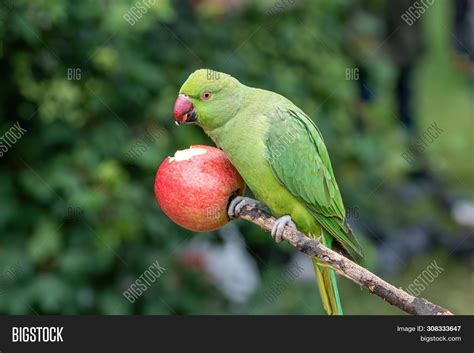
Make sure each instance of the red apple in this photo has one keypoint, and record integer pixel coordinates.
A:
(194, 186)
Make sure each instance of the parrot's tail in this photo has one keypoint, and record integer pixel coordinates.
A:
(327, 284)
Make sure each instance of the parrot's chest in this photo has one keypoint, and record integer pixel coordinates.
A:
(246, 149)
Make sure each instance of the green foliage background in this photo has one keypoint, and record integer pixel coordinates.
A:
(78, 219)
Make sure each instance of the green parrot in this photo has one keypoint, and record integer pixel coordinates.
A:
(280, 153)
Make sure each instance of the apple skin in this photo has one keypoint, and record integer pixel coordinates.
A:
(194, 187)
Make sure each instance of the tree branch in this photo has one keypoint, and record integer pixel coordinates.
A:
(345, 267)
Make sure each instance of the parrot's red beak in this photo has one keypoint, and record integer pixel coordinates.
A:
(184, 110)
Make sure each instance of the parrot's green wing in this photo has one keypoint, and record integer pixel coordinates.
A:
(299, 159)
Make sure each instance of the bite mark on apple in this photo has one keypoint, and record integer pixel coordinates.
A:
(187, 154)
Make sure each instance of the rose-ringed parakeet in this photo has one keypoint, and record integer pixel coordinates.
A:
(280, 153)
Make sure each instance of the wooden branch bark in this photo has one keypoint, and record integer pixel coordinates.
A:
(345, 267)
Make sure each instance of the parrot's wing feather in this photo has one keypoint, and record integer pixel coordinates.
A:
(299, 159)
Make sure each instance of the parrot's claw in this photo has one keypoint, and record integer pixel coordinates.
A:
(239, 202)
(279, 226)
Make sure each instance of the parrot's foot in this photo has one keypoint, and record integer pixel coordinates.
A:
(279, 226)
(239, 202)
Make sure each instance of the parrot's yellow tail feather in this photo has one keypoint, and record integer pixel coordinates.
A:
(327, 284)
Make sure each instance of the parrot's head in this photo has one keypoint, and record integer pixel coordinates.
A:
(208, 98)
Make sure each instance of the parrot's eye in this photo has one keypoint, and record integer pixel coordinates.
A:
(206, 95)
